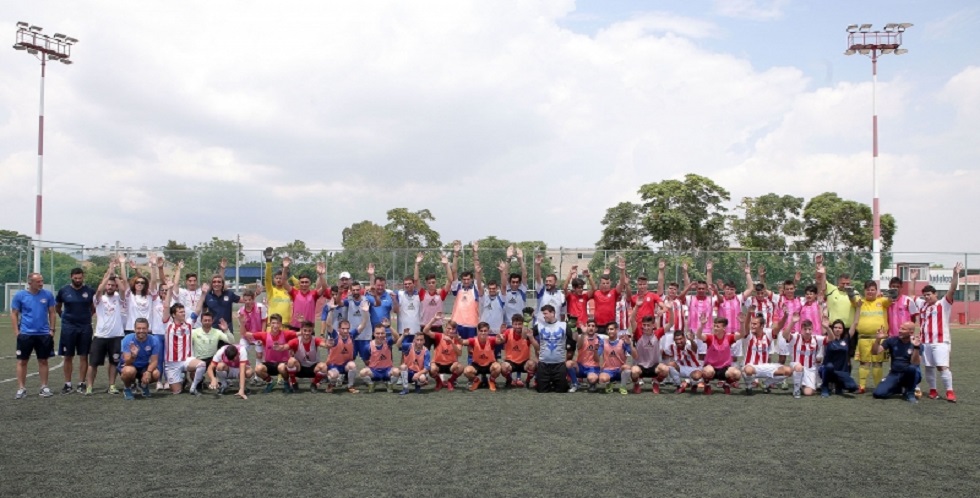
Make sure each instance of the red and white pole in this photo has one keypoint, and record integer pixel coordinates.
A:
(876, 220)
(40, 171)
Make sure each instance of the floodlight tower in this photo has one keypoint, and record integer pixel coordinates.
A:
(45, 48)
(861, 40)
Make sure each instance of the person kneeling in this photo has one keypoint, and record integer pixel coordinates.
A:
(141, 354)
(230, 361)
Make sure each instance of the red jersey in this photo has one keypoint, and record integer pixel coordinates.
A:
(578, 305)
(342, 351)
(605, 306)
(518, 348)
(482, 353)
(447, 351)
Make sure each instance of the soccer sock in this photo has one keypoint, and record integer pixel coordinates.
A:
(223, 378)
(797, 380)
(876, 374)
(947, 376)
(404, 376)
(573, 376)
(292, 375)
(931, 377)
(748, 380)
(453, 377)
(350, 379)
(198, 375)
(675, 375)
(863, 375)
(622, 380)
(317, 377)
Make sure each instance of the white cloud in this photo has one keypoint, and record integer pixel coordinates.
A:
(756, 10)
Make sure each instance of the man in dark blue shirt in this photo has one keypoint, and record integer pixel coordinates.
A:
(904, 374)
(75, 306)
(218, 300)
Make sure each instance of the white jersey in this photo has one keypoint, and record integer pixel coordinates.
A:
(409, 312)
(555, 298)
(137, 306)
(108, 313)
(935, 321)
(514, 301)
(190, 299)
(492, 312)
(156, 317)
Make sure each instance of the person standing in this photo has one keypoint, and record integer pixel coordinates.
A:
(107, 339)
(32, 314)
(219, 300)
(74, 306)
(515, 297)
(936, 312)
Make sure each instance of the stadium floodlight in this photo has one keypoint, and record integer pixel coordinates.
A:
(71, 40)
(54, 48)
(873, 44)
(851, 28)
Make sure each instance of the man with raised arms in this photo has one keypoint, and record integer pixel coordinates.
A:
(547, 290)
(433, 297)
(304, 299)
(606, 296)
(936, 337)
(219, 300)
(515, 297)
(576, 298)
(108, 335)
(408, 307)
(645, 300)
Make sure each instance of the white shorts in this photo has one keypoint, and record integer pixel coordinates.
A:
(782, 347)
(666, 341)
(175, 371)
(809, 376)
(766, 370)
(935, 355)
(685, 372)
(737, 349)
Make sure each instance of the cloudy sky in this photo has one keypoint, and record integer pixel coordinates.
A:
(525, 120)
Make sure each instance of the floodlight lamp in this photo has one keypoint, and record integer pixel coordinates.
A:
(849, 51)
(66, 61)
(865, 51)
(901, 51)
(32, 51)
(71, 40)
(887, 50)
(865, 28)
(904, 26)
(36, 29)
(19, 46)
(852, 28)
(59, 36)
(21, 24)
(891, 26)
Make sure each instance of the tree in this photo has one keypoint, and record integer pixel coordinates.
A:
(16, 256)
(622, 228)
(175, 251)
(685, 215)
(769, 223)
(212, 252)
(410, 229)
(834, 224)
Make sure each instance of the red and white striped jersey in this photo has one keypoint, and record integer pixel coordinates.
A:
(805, 352)
(679, 310)
(686, 357)
(178, 341)
(757, 348)
(764, 307)
(935, 322)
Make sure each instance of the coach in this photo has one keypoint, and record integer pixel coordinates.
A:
(33, 318)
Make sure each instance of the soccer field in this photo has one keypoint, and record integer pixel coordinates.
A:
(512, 443)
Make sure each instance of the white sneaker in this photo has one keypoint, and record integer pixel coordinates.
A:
(573, 389)
(21, 393)
(46, 392)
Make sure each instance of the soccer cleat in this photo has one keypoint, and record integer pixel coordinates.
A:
(622, 390)
(950, 396)
(796, 393)
(418, 389)
(46, 392)
(195, 392)
(67, 389)
(608, 389)
(314, 387)
(518, 383)
(636, 388)
(860, 390)
(656, 388)
(784, 385)
(293, 387)
(438, 383)
(824, 392)
(593, 388)
(81, 388)
(492, 385)
(767, 389)
(910, 397)
(113, 389)
(933, 394)
(88, 390)
(707, 389)
(21, 393)
(388, 387)
(681, 388)
(370, 387)
(700, 385)
(352, 390)
(475, 384)
(329, 388)
(573, 388)
(450, 386)
(268, 387)
(727, 388)
(146, 392)
(403, 392)
(128, 394)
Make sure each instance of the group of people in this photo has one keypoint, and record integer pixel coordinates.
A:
(609, 337)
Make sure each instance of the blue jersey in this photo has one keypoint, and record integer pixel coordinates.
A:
(33, 309)
(151, 346)
(220, 306)
(901, 353)
(835, 354)
(382, 310)
(551, 337)
(76, 304)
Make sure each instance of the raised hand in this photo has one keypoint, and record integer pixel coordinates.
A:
(222, 324)
(881, 333)
(286, 262)
(477, 267)
(444, 259)
(574, 270)
(914, 273)
(916, 340)
(180, 265)
(457, 246)
(661, 264)
(223, 264)
(121, 259)
(321, 268)
(419, 257)
(586, 273)
(957, 269)
(746, 267)
(159, 261)
(501, 266)
(797, 276)
(476, 245)
(386, 322)
(370, 269)
(818, 259)
(132, 264)
(520, 253)
(605, 272)
(684, 266)
(538, 259)
(621, 263)
(510, 251)
(762, 271)
(709, 265)
(438, 315)
(205, 288)
(134, 349)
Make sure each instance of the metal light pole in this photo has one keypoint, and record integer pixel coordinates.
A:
(56, 48)
(861, 40)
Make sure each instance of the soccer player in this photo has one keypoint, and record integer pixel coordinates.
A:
(786, 305)
(353, 307)
(547, 290)
(904, 374)
(305, 361)
(341, 351)
(676, 301)
(835, 358)
(140, 357)
(252, 317)
(408, 307)
(484, 363)
(589, 347)
(517, 343)
(466, 306)
(491, 302)
(615, 353)
(606, 296)
(936, 335)
(648, 359)
(729, 306)
(685, 367)
(432, 299)
(34, 321)
(190, 296)
(380, 298)
(838, 298)
(205, 341)
(379, 364)
(515, 298)
(645, 300)
(757, 348)
(805, 348)
(873, 318)
(447, 346)
(220, 301)
(718, 355)
(229, 362)
(415, 365)
(273, 349)
(177, 350)
(550, 337)
(277, 297)
(107, 338)
(304, 299)
(75, 307)
(576, 299)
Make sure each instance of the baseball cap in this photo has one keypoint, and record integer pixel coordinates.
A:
(344, 274)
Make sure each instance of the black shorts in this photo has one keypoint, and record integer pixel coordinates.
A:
(272, 367)
(719, 371)
(552, 377)
(516, 367)
(103, 347)
(445, 369)
(305, 373)
(648, 372)
(75, 339)
(429, 342)
(481, 370)
(41, 345)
